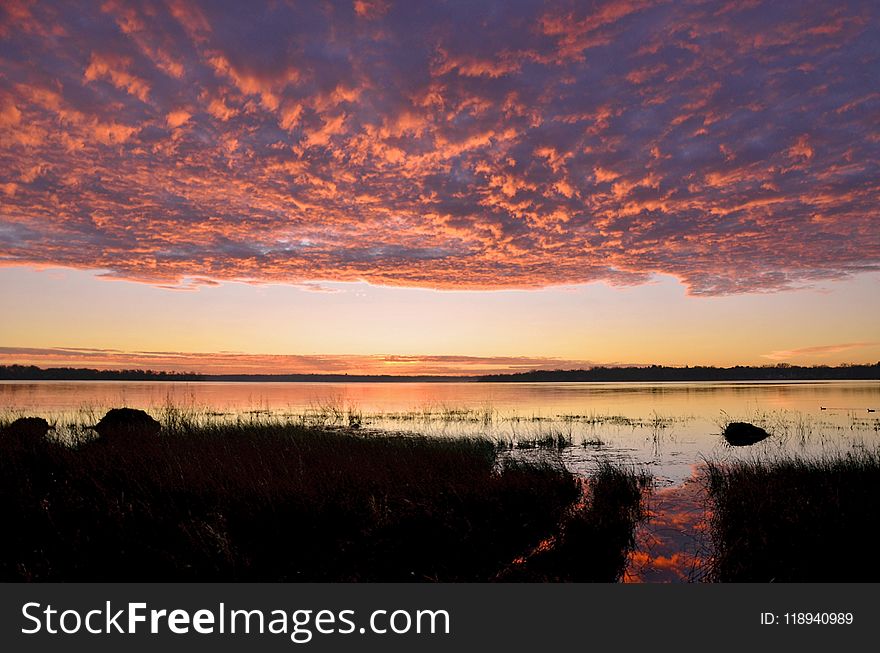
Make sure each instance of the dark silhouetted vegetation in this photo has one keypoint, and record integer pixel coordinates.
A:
(779, 372)
(34, 373)
(795, 520)
(26, 429)
(273, 501)
(595, 535)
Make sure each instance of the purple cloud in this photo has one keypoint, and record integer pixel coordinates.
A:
(452, 145)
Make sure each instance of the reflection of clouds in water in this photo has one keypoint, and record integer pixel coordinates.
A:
(668, 452)
(672, 545)
(665, 427)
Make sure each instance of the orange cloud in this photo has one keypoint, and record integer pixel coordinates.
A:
(801, 148)
(177, 118)
(370, 8)
(818, 350)
(238, 363)
(102, 66)
(545, 144)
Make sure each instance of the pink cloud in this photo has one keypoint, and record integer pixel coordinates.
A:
(734, 146)
(239, 363)
(819, 350)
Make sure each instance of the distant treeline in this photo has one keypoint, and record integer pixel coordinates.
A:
(781, 372)
(34, 373)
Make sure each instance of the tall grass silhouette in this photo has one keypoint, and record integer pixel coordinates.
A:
(261, 499)
(794, 519)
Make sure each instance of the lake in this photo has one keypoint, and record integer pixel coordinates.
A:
(667, 427)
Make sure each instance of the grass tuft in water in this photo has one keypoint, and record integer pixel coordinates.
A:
(594, 535)
(795, 520)
(254, 498)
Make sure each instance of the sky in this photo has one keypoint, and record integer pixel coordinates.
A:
(449, 187)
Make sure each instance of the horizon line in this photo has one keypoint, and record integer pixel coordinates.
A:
(23, 372)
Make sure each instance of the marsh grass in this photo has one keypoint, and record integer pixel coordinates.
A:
(794, 520)
(251, 497)
(595, 533)
(508, 429)
(549, 440)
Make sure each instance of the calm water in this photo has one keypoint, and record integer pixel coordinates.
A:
(666, 426)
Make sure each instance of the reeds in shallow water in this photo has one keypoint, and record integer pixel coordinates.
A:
(595, 534)
(256, 498)
(795, 520)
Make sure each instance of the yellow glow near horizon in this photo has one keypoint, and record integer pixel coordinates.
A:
(363, 328)
(475, 190)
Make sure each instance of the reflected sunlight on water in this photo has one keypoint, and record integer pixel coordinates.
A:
(672, 545)
(667, 427)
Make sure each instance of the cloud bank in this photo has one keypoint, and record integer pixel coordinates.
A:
(241, 363)
(735, 145)
(818, 350)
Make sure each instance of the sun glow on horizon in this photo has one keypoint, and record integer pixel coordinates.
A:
(358, 328)
(343, 186)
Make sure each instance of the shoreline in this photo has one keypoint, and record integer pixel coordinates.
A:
(622, 375)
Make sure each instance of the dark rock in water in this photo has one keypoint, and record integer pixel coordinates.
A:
(27, 428)
(127, 421)
(743, 434)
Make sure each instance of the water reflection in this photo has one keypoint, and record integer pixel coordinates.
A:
(667, 427)
(672, 544)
